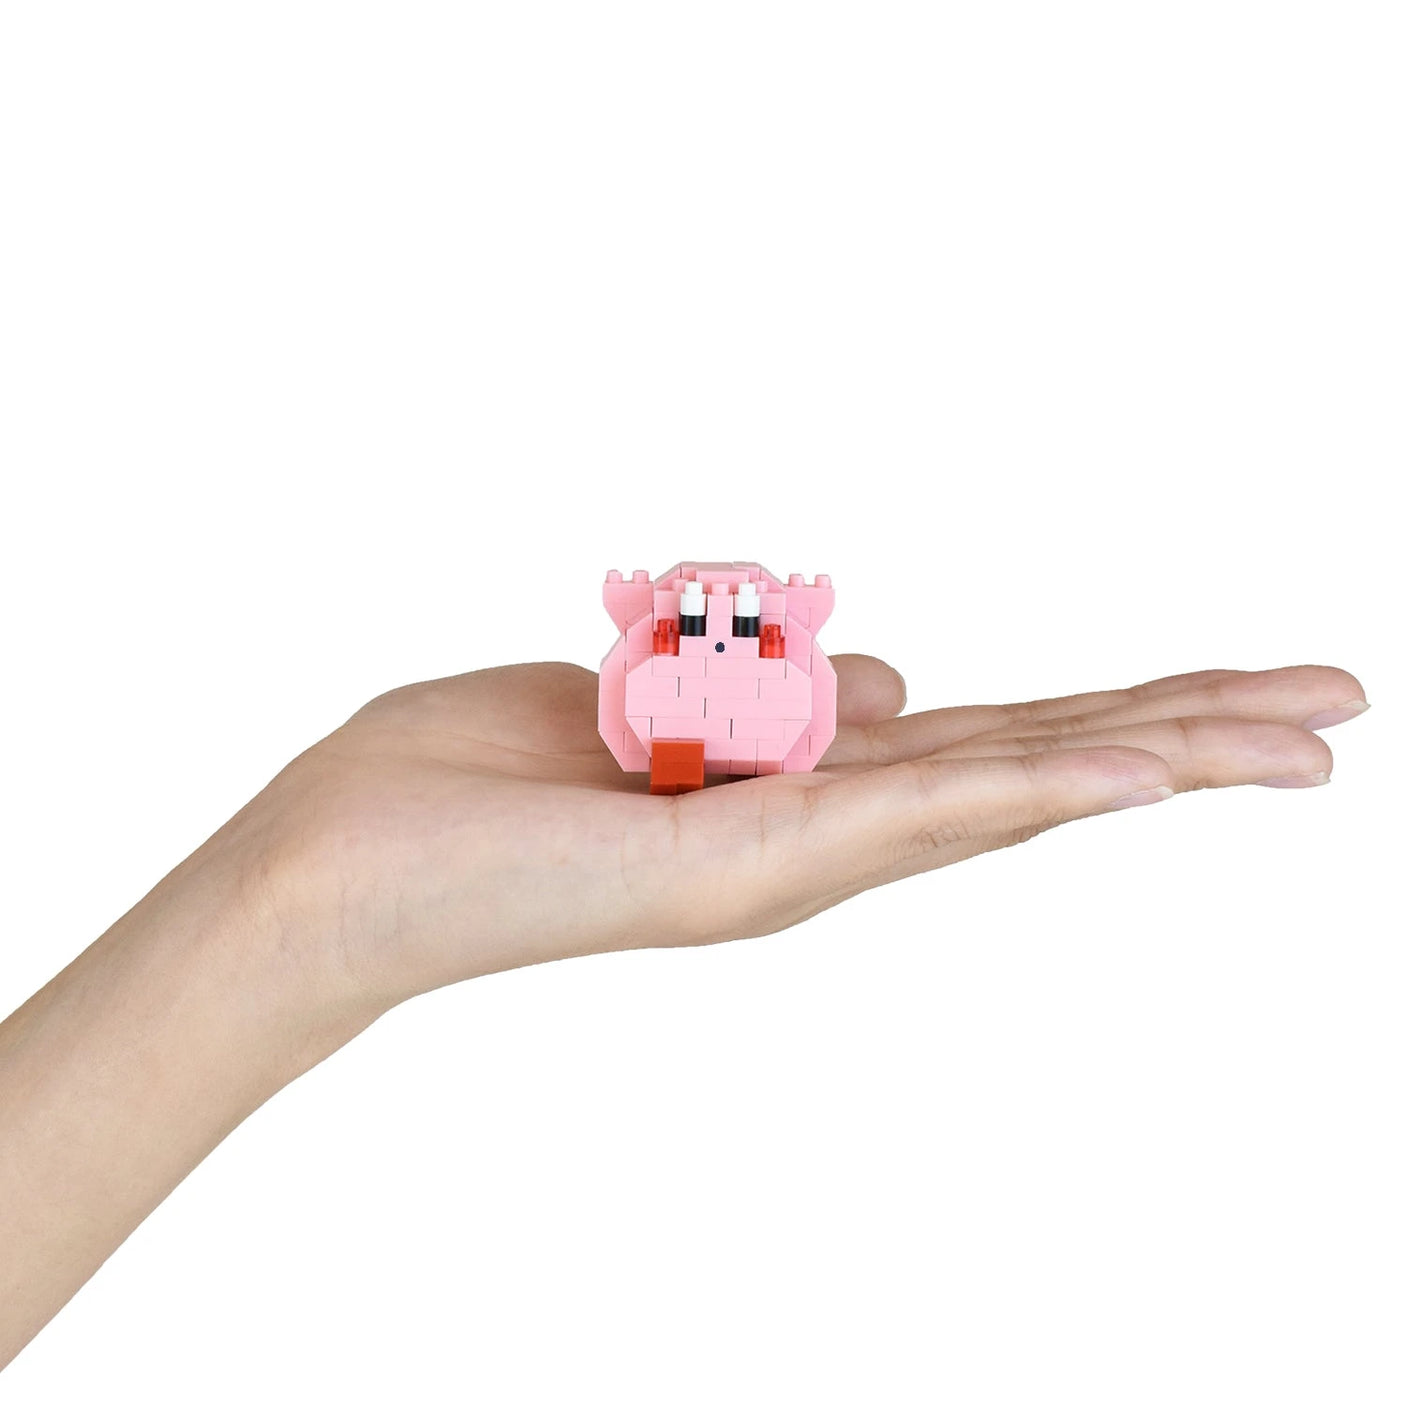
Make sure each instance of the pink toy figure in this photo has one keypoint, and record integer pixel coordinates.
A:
(716, 672)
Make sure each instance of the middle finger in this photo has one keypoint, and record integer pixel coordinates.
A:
(1291, 695)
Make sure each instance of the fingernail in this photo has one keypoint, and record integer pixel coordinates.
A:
(1331, 717)
(1142, 798)
(1309, 778)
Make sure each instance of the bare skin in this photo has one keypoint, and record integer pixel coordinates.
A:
(478, 823)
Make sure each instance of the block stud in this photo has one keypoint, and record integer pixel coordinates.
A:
(666, 637)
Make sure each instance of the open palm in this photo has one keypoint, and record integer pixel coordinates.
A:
(476, 823)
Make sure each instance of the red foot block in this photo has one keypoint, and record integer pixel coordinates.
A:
(676, 764)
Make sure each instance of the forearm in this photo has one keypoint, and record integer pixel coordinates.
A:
(131, 1066)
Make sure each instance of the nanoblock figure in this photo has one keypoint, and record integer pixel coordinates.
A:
(716, 672)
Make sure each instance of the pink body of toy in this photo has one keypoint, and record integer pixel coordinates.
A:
(716, 671)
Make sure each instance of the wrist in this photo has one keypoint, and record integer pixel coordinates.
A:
(135, 1061)
(235, 942)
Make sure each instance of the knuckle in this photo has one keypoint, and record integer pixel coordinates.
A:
(1019, 834)
(1221, 699)
(1188, 733)
(939, 835)
(938, 827)
(878, 747)
(1046, 739)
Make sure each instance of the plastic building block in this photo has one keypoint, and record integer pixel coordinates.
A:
(676, 668)
(716, 672)
(675, 765)
(666, 637)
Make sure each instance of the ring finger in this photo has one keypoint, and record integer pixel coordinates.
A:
(1202, 751)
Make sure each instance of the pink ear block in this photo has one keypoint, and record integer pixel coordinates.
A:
(717, 659)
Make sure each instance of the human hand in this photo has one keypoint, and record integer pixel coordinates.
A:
(477, 823)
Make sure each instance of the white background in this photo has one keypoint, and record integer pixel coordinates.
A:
(345, 345)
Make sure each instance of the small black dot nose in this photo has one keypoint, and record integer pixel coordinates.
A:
(720, 646)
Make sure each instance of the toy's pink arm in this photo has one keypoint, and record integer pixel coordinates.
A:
(626, 601)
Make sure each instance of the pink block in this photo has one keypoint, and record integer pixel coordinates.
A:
(757, 727)
(768, 707)
(728, 708)
(611, 713)
(641, 729)
(822, 722)
(715, 766)
(694, 646)
(720, 616)
(816, 601)
(626, 601)
(666, 605)
(768, 767)
(723, 666)
(728, 572)
(742, 766)
(783, 747)
(645, 683)
(734, 748)
(794, 687)
(711, 687)
(675, 666)
(792, 730)
(798, 640)
(664, 707)
(690, 727)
